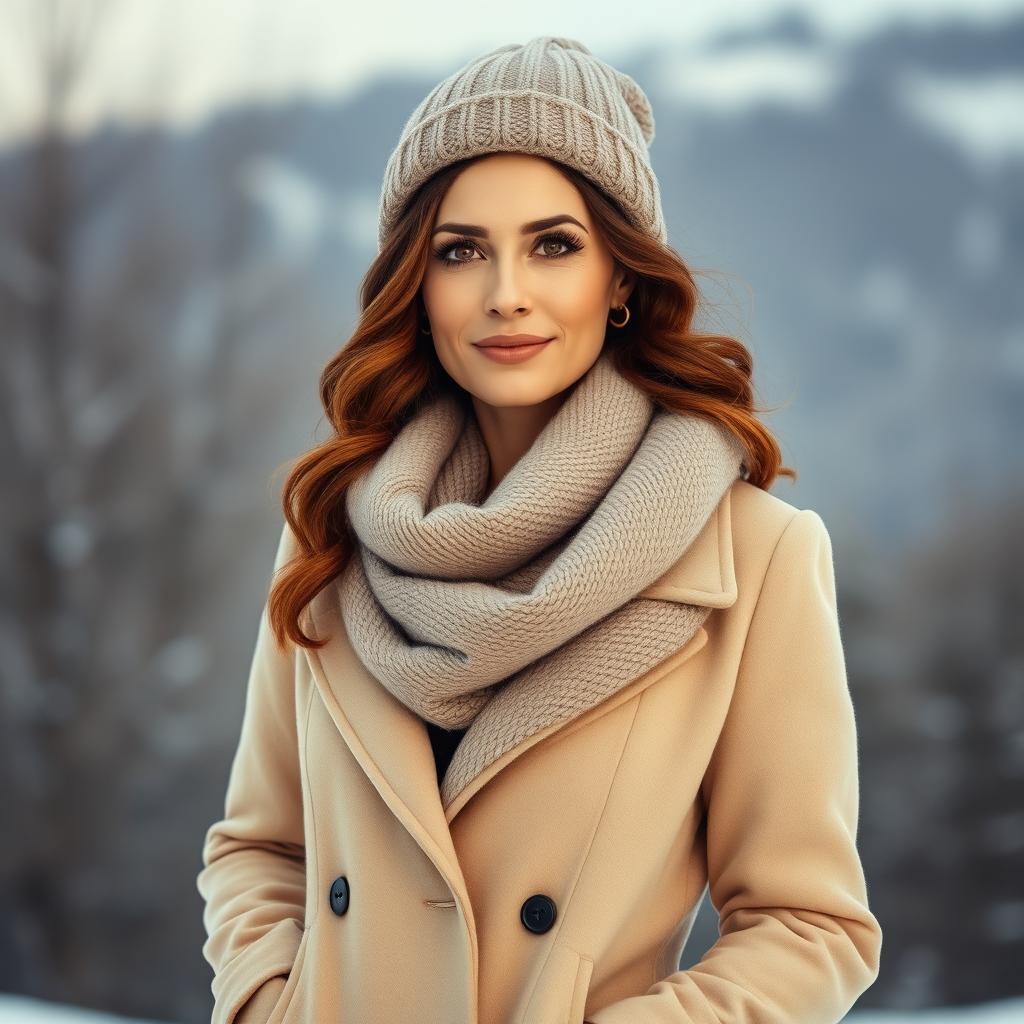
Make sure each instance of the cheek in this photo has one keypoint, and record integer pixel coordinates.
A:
(445, 297)
(431, 291)
(579, 298)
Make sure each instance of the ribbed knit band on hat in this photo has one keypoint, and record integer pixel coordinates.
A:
(550, 97)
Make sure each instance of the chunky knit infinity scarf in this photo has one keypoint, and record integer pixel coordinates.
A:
(515, 612)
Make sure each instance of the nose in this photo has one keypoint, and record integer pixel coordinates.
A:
(506, 296)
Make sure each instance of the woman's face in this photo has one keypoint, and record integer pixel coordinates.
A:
(495, 272)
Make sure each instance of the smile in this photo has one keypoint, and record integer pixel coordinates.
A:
(512, 353)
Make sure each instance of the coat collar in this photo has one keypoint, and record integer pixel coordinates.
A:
(705, 574)
(391, 742)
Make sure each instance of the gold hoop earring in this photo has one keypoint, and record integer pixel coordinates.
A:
(422, 331)
(625, 319)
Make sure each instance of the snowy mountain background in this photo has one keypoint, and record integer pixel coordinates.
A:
(855, 212)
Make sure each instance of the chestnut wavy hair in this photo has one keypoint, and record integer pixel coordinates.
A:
(388, 369)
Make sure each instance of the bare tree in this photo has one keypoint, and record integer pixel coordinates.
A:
(130, 316)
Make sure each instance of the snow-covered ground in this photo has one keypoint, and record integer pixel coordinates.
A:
(19, 1010)
(22, 1010)
(1003, 1011)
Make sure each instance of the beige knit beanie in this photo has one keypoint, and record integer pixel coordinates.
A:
(550, 97)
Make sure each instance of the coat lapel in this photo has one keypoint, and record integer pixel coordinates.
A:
(391, 742)
(705, 574)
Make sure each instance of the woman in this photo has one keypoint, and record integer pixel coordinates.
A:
(543, 660)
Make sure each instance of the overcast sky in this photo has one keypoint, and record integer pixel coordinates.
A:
(175, 60)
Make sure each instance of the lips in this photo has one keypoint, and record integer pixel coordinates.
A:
(510, 340)
(513, 353)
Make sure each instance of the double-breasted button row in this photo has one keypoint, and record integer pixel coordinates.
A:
(537, 913)
(339, 895)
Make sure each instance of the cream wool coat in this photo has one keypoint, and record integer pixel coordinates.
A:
(731, 765)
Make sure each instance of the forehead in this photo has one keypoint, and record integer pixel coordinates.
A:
(503, 191)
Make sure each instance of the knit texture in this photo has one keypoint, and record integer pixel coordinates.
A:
(550, 97)
(508, 614)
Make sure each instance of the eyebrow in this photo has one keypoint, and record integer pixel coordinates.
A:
(527, 229)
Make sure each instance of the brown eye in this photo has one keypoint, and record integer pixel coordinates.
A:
(552, 241)
(569, 242)
(445, 249)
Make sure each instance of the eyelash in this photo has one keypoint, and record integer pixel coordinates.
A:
(572, 241)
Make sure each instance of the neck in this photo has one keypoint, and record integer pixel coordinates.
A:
(509, 431)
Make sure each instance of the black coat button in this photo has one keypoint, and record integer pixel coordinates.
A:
(538, 913)
(339, 895)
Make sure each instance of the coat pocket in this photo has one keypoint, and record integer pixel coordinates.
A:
(581, 988)
(283, 1004)
(561, 990)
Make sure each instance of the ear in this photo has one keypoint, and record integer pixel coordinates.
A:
(625, 282)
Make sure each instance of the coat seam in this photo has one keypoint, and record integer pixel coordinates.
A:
(586, 857)
(312, 809)
(607, 798)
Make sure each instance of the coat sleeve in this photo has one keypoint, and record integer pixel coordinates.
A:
(253, 876)
(797, 942)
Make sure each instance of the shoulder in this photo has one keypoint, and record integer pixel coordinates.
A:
(766, 528)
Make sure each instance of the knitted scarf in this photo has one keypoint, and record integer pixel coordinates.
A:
(515, 612)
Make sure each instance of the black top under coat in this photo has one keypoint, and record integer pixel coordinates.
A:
(444, 741)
